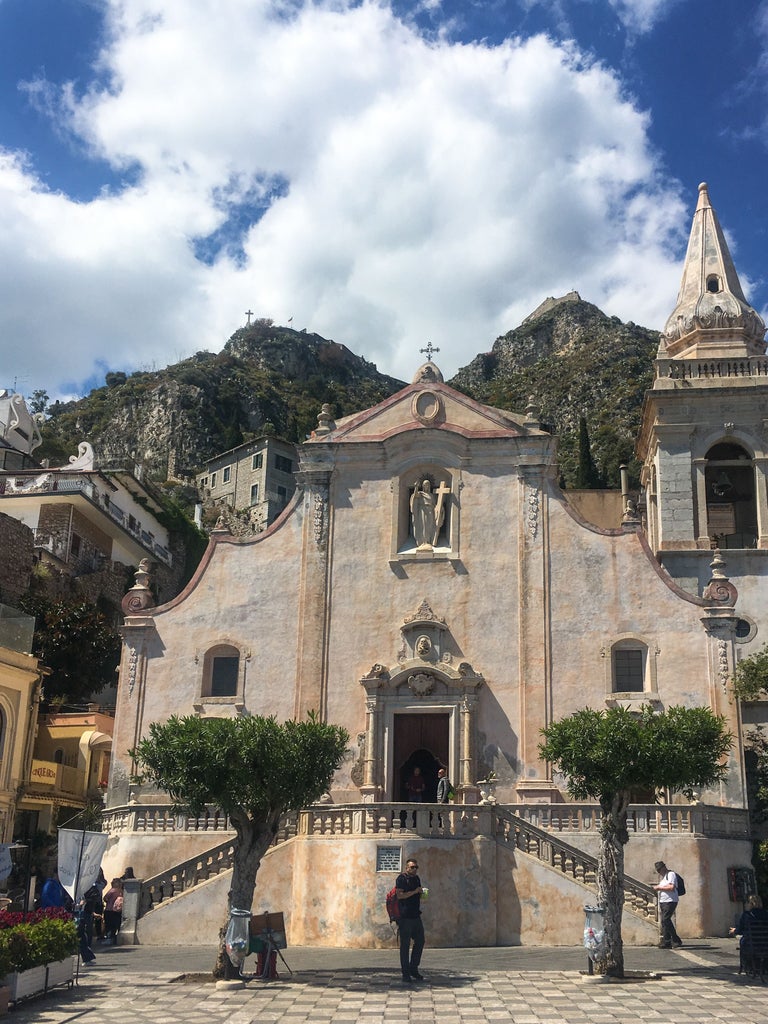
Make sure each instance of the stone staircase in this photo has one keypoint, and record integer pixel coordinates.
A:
(512, 830)
(508, 829)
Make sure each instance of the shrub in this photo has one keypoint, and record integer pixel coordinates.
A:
(30, 940)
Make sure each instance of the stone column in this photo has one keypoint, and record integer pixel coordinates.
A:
(700, 488)
(139, 634)
(761, 494)
(372, 789)
(131, 897)
(534, 649)
(719, 621)
(311, 663)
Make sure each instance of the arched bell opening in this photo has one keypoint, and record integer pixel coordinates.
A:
(729, 477)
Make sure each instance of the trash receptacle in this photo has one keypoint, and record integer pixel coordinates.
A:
(594, 935)
(237, 939)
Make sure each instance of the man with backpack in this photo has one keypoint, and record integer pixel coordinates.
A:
(668, 896)
(408, 888)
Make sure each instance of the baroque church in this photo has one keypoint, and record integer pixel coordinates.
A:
(430, 588)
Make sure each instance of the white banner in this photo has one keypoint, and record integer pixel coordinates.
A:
(83, 850)
(6, 864)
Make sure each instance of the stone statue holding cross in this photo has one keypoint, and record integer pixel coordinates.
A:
(427, 513)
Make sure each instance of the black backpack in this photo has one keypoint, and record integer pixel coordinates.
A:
(680, 885)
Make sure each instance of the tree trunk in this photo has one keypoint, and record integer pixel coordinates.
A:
(253, 841)
(610, 882)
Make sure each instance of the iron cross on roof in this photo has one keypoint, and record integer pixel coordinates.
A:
(429, 350)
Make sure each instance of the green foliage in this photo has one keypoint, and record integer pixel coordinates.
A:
(572, 358)
(750, 679)
(254, 765)
(586, 472)
(38, 403)
(31, 940)
(605, 753)
(75, 641)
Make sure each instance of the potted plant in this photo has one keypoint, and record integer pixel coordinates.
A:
(36, 951)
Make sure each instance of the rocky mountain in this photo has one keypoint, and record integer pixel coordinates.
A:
(266, 379)
(573, 359)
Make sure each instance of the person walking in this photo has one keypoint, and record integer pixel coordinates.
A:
(113, 911)
(668, 898)
(411, 927)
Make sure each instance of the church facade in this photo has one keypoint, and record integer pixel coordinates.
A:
(431, 588)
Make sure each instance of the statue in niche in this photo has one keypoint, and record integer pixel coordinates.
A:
(427, 513)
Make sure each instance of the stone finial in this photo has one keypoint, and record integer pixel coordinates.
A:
(139, 597)
(428, 373)
(325, 423)
(720, 589)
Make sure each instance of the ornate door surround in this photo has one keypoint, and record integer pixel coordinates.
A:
(423, 681)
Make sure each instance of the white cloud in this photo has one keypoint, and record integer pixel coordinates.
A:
(432, 191)
(641, 16)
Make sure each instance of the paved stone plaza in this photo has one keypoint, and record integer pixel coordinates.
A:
(479, 986)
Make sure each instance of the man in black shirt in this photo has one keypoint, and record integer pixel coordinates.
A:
(408, 886)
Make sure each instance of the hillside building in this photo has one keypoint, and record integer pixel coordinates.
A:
(257, 478)
(88, 522)
(431, 588)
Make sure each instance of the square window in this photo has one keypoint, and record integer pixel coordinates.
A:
(283, 464)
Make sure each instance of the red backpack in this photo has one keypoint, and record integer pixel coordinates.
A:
(393, 906)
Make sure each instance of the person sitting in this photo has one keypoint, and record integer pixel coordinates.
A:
(753, 929)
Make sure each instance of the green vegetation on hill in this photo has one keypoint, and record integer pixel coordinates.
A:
(577, 364)
(587, 373)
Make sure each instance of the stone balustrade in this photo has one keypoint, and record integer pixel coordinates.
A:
(703, 369)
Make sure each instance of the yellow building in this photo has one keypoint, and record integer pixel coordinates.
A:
(69, 769)
(20, 679)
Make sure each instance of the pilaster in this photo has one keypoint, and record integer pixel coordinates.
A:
(311, 640)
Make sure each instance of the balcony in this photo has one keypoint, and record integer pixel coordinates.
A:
(57, 779)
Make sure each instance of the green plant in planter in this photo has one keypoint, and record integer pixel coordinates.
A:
(31, 940)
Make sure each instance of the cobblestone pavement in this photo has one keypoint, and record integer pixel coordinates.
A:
(165, 985)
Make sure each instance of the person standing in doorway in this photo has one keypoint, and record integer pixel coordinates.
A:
(668, 897)
(415, 786)
(409, 891)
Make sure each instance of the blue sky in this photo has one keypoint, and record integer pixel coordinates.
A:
(384, 172)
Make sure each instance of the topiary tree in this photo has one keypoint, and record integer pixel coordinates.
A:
(255, 769)
(605, 755)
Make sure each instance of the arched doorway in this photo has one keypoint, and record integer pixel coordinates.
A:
(421, 740)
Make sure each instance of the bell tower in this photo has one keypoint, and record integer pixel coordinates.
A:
(705, 421)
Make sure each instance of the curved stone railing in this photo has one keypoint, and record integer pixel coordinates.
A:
(535, 829)
(514, 830)
(654, 819)
(150, 818)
